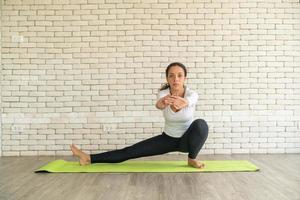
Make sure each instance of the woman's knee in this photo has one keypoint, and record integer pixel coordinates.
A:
(201, 125)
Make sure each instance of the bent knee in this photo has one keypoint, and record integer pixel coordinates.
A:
(201, 124)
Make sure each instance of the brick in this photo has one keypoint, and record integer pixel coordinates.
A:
(90, 64)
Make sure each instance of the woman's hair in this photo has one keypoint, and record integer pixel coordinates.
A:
(166, 85)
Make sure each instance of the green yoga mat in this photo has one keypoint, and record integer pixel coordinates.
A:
(149, 166)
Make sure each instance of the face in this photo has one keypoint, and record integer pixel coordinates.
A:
(176, 77)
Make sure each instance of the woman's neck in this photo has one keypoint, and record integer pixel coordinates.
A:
(178, 92)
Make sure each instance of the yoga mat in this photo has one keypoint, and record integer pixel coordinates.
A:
(149, 166)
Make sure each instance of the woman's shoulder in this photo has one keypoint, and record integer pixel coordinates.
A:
(163, 93)
(190, 91)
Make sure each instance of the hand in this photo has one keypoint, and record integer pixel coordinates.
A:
(175, 102)
(179, 102)
(164, 102)
(168, 100)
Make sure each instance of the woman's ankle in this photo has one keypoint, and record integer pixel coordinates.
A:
(191, 159)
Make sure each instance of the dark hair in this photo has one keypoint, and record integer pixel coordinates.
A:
(166, 85)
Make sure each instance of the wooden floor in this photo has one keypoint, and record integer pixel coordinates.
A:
(278, 179)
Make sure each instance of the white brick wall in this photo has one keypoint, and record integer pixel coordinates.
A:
(0, 85)
(87, 72)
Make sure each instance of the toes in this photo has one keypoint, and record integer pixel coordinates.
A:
(197, 164)
(201, 165)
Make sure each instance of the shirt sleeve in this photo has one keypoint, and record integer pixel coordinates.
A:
(161, 94)
(192, 98)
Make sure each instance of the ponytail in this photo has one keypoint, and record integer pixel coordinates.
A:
(165, 86)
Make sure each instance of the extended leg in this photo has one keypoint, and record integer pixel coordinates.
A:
(153, 146)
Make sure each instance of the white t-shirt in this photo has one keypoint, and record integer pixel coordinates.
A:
(176, 123)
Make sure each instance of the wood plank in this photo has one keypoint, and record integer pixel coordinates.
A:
(279, 179)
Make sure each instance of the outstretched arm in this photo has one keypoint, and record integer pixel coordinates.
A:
(163, 102)
(178, 103)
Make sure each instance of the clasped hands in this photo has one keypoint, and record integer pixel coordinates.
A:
(176, 102)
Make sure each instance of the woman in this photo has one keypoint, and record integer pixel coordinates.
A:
(181, 132)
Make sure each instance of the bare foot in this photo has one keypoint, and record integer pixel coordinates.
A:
(84, 159)
(195, 163)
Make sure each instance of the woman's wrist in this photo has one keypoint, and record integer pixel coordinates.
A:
(160, 103)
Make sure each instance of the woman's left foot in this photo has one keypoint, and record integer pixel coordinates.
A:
(195, 163)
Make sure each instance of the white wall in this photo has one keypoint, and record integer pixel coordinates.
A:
(87, 72)
(0, 86)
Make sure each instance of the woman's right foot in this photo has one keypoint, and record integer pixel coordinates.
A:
(84, 159)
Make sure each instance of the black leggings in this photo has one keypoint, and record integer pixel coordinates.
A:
(191, 142)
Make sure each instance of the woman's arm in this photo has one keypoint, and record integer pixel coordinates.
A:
(176, 102)
(192, 98)
(179, 103)
(163, 102)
